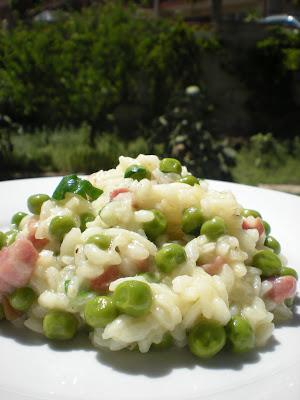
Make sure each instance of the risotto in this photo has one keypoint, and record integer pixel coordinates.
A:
(144, 256)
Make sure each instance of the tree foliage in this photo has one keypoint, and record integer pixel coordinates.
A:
(83, 67)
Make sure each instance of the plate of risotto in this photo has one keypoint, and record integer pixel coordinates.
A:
(145, 282)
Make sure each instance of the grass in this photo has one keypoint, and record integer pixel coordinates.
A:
(68, 150)
(263, 159)
(267, 160)
(247, 172)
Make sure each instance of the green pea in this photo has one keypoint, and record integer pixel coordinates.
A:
(267, 228)
(137, 172)
(157, 226)
(84, 219)
(86, 293)
(83, 296)
(2, 314)
(152, 277)
(100, 240)
(206, 339)
(189, 180)
(35, 202)
(60, 225)
(2, 240)
(11, 236)
(213, 228)
(166, 343)
(59, 325)
(169, 257)
(192, 220)
(133, 298)
(100, 311)
(267, 262)
(273, 244)
(289, 302)
(22, 299)
(17, 218)
(288, 271)
(240, 335)
(167, 165)
(253, 213)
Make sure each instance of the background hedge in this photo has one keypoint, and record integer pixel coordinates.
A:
(87, 66)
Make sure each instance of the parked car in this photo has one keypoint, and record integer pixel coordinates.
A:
(288, 21)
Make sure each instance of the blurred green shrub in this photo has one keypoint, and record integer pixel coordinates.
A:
(182, 132)
(269, 70)
(292, 59)
(280, 49)
(267, 152)
(87, 66)
(21, 7)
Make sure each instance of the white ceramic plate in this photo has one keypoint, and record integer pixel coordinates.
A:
(32, 368)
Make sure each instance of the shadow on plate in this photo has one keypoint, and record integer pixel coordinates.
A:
(21, 335)
(155, 364)
(152, 364)
(29, 338)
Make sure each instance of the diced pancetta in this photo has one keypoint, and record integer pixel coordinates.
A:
(17, 264)
(143, 265)
(253, 223)
(102, 282)
(283, 287)
(5, 287)
(214, 267)
(116, 192)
